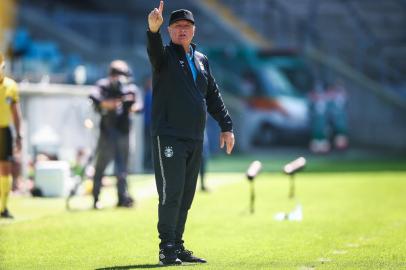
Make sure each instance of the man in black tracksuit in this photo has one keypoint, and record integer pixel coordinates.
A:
(183, 90)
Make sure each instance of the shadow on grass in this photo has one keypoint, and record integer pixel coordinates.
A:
(136, 266)
(139, 266)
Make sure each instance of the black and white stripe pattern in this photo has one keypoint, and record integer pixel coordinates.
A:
(162, 172)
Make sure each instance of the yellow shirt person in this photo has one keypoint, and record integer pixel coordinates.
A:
(8, 96)
(10, 115)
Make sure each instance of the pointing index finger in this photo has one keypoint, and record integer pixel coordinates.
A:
(161, 7)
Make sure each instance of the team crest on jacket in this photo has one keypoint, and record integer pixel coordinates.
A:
(168, 152)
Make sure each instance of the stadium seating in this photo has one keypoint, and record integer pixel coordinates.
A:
(99, 31)
(368, 35)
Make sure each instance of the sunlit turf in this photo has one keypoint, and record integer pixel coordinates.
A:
(351, 220)
(347, 161)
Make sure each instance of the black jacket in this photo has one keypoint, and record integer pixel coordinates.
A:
(120, 118)
(179, 104)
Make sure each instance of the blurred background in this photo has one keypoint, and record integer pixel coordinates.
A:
(322, 76)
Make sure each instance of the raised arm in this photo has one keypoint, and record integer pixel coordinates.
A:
(155, 46)
(155, 18)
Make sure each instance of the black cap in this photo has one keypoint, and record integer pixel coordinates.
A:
(181, 14)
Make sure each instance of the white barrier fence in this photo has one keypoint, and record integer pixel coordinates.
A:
(56, 121)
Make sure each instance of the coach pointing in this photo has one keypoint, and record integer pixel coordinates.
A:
(183, 91)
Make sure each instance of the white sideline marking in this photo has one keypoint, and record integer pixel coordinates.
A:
(324, 260)
(339, 252)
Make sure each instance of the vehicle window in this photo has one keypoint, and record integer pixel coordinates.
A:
(300, 78)
(276, 83)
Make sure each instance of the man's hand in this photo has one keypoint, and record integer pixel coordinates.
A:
(155, 18)
(227, 138)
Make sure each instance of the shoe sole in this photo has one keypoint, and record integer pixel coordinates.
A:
(174, 263)
(196, 262)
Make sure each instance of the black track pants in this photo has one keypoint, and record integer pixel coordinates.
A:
(176, 163)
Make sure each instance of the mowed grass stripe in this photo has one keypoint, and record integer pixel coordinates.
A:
(339, 208)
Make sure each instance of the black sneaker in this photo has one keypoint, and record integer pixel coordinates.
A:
(167, 255)
(127, 202)
(6, 214)
(187, 256)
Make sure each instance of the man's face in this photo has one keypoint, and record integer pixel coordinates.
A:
(182, 32)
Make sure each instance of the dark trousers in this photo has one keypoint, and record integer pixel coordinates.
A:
(112, 145)
(6, 144)
(147, 150)
(177, 164)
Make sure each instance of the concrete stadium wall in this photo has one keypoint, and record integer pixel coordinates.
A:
(55, 115)
(374, 122)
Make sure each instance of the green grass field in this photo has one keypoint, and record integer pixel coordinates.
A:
(354, 217)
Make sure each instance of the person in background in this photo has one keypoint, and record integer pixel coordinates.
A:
(10, 115)
(328, 117)
(337, 114)
(115, 98)
(318, 119)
